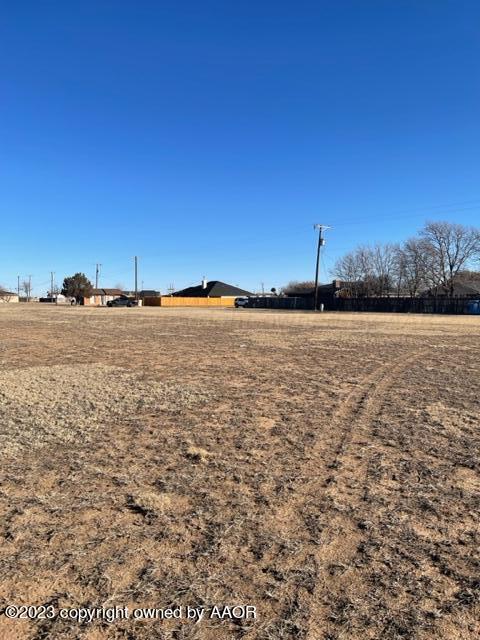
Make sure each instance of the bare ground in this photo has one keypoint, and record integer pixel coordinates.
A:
(322, 468)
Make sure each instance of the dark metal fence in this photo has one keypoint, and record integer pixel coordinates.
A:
(281, 303)
(387, 305)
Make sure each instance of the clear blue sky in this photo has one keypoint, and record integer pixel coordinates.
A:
(207, 137)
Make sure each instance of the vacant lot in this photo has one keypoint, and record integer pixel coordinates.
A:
(321, 468)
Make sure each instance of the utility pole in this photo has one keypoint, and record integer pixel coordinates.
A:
(97, 273)
(136, 278)
(321, 241)
(29, 288)
(263, 288)
(52, 274)
(18, 287)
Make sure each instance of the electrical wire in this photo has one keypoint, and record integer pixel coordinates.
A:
(442, 209)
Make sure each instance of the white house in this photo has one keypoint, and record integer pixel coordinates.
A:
(8, 296)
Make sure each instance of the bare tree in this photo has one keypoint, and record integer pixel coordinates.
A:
(368, 270)
(449, 248)
(412, 265)
(383, 263)
(351, 269)
(5, 295)
(295, 286)
(26, 287)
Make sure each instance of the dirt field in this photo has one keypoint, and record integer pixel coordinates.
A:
(321, 468)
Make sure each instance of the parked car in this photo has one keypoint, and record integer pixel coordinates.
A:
(121, 302)
(242, 301)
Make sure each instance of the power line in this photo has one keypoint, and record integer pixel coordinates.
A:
(446, 209)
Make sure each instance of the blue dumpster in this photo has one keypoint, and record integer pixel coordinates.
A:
(473, 307)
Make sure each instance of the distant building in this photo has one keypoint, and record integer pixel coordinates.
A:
(100, 297)
(460, 290)
(56, 299)
(143, 293)
(212, 289)
(335, 289)
(8, 296)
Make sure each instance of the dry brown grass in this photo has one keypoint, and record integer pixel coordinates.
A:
(323, 468)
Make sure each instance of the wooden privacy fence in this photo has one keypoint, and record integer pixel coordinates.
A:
(273, 302)
(152, 301)
(388, 305)
(177, 301)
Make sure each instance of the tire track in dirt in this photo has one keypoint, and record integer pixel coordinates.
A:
(346, 487)
(363, 403)
(315, 503)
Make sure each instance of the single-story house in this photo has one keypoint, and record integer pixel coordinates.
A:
(100, 297)
(8, 296)
(208, 294)
(212, 289)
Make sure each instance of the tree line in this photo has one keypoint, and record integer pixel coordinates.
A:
(441, 255)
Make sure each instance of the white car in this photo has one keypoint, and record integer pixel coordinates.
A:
(242, 301)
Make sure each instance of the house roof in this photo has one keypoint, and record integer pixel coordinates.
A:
(214, 289)
(459, 289)
(148, 292)
(107, 292)
(113, 292)
(323, 289)
(7, 293)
